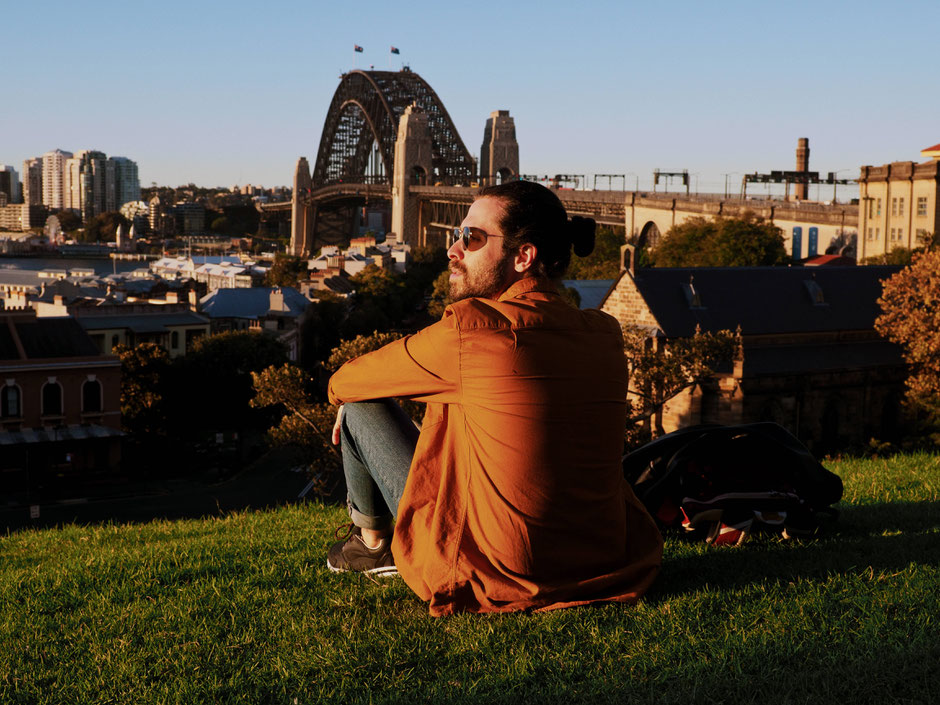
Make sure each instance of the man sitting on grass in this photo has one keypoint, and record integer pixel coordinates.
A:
(512, 495)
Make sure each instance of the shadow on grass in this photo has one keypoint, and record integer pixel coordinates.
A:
(879, 537)
(269, 482)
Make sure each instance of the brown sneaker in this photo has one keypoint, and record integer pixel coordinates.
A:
(352, 554)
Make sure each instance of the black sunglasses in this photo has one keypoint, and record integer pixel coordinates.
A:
(472, 238)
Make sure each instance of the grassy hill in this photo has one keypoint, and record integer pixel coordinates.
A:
(242, 609)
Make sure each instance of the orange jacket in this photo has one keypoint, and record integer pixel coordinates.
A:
(515, 498)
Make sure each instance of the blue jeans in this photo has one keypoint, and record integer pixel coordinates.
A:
(378, 442)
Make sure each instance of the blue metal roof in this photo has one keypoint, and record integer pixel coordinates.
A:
(250, 303)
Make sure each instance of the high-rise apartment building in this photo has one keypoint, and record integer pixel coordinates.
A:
(32, 182)
(126, 181)
(96, 184)
(10, 183)
(53, 178)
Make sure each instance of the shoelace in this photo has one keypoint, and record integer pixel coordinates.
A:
(344, 531)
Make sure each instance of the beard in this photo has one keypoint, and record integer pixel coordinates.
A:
(485, 283)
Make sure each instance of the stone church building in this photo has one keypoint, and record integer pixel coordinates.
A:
(808, 356)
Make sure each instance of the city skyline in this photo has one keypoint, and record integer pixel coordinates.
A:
(219, 94)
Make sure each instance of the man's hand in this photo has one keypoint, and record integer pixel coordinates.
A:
(338, 425)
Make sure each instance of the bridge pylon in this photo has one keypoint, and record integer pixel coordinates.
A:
(412, 166)
(499, 155)
(302, 211)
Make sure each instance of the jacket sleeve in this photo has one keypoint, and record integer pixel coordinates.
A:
(424, 367)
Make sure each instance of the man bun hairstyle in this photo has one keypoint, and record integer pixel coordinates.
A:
(533, 213)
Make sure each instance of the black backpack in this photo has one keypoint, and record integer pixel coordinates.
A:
(723, 482)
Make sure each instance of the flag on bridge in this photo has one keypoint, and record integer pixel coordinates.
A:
(357, 48)
(395, 50)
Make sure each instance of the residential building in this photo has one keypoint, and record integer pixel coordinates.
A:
(10, 184)
(126, 181)
(172, 326)
(32, 182)
(60, 404)
(808, 356)
(899, 204)
(53, 178)
(96, 183)
(362, 252)
(277, 311)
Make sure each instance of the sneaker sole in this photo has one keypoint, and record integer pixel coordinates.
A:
(385, 572)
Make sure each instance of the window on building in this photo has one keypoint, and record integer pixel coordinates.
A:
(877, 233)
(91, 396)
(900, 233)
(115, 340)
(871, 207)
(52, 399)
(894, 206)
(175, 339)
(878, 207)
(10, 402)
(869, 234)
(921, 205)
(901, 205)
(892, 235)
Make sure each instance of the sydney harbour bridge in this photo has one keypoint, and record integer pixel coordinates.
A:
(388, 144)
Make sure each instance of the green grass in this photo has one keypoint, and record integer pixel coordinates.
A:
(242, 609)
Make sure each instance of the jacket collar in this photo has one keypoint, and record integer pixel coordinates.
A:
(527, 285)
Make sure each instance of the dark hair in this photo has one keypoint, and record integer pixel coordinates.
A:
(533, 213)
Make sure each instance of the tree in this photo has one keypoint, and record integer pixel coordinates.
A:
(748, 241)
(304, 424)
(69, 221)
(440, 295)
(360, 345)
(902, 255)
(659, 372)
(603, 262)
(103, 227)
(144, 371)
(910, 303)
(216, 373)
(286, 270)
(379, 301)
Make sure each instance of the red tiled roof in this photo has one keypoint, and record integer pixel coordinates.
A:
(935, 148)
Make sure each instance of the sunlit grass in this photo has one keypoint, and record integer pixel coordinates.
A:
(243, 609)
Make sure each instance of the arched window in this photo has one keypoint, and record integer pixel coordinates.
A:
(10, 406)
(91, 396)
(52, 399)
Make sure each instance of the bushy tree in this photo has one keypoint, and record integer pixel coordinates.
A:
(660, 372)
(911, 318)
(748, 241)
(603, 262)
(103, 227)
(286, 270)
(144, 375)
(304, 423)
(440, 295)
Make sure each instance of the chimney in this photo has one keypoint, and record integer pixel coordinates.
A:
(802, 164)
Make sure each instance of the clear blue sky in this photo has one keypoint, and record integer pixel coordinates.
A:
(223, 93)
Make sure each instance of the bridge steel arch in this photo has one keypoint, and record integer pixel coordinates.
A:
(365, 110)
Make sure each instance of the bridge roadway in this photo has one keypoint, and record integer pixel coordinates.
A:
(645, 216)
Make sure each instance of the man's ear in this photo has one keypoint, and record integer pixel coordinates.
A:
(525, 258)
